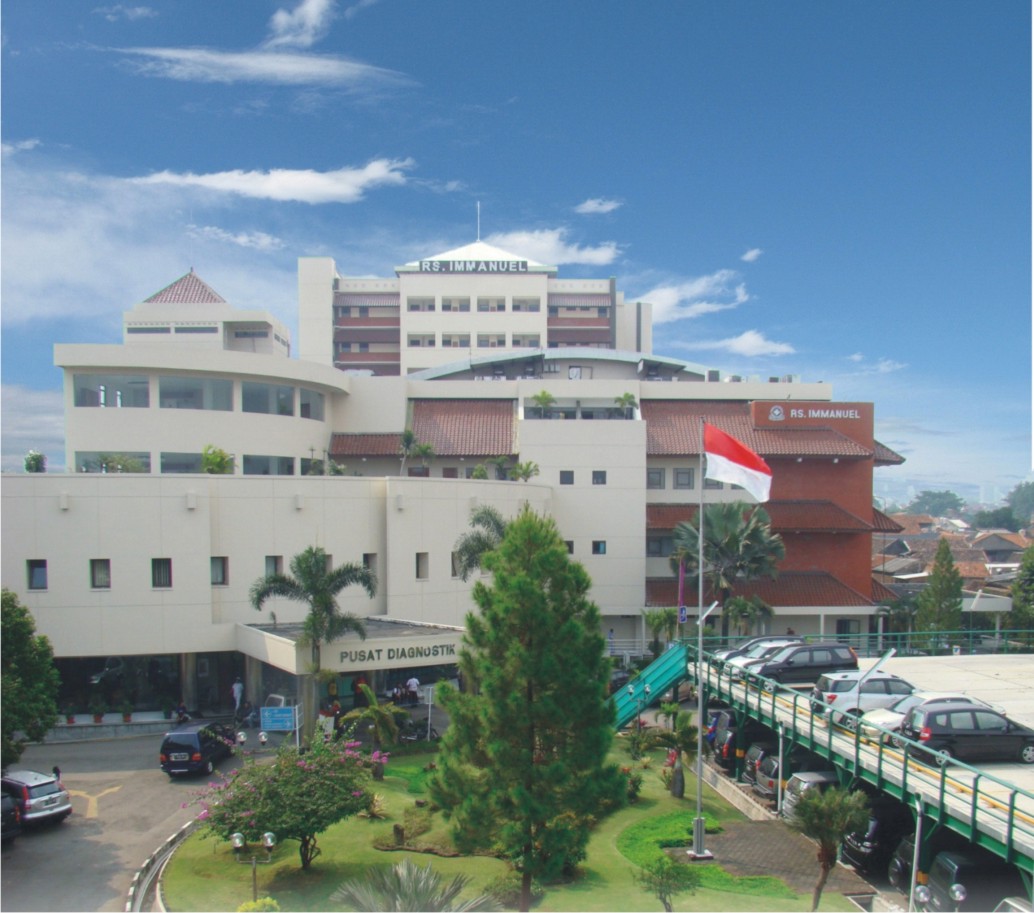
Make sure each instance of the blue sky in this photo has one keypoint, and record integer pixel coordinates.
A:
(840, 191)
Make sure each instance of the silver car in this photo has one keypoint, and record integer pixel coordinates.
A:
(845, 696)
(890, 718)
(40, 797)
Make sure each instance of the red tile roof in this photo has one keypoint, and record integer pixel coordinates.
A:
(883, 523)
(364, 445)
(792, 588)
(188, 289)
(882, 594)
(884, 456)
(796, 516)
(673, 429)
(466, 427)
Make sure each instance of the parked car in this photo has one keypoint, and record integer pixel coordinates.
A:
(195, 747)
(726, 737)
(10, 819)
(753, 757)
(890, 718)
(766, 783)
(737, 664)
(798, 664)
(968, 880)
(967, 733)
(899, 869)
(40, 797)
(870, 850)
(847, 695)
(803, 782)
(619, 678)
(727, 653)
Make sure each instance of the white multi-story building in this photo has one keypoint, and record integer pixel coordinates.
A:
(137, 561)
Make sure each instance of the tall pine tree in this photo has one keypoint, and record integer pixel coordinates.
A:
(940, 602)
(522, 767)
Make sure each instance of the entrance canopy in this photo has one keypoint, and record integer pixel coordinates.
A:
(390, 644)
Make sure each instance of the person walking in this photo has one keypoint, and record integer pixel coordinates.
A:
(237, 689)
(413, 689)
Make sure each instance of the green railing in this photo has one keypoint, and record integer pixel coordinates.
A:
(988, 810)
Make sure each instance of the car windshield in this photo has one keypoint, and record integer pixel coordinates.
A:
(44, 789)
(903, 705)
(783, 653)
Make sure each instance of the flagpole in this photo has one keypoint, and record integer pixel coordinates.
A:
(698, 823)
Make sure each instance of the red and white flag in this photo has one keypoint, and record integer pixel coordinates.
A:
(730, 461)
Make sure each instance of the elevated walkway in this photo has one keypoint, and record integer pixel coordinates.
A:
(663, 674)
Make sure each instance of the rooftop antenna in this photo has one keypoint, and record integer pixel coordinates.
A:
(479, 220)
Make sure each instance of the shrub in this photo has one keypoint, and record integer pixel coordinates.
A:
(262, 905)
(506, 890)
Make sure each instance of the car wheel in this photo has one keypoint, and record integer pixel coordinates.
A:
(943, 757)
(849, 720)
(1027, 753)
(896, 875)
(209, 767)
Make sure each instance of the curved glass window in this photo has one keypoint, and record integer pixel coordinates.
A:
(112, 391)
(195, 393)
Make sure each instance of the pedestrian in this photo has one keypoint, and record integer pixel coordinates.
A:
(610, 641)
(413, 689)
(57, 772)
(237, 689)
(397, 695)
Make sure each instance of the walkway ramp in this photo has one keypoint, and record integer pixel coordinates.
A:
(663, 674)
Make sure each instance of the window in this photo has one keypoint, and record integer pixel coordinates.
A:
(181, 462)
(268, 399)
(94, 461)
(712, 484)
(36, 570)
(370, 561)
(274, 564)
(100, 573)
(132, 331)
(206, 329)
(530, 305)
(599, 477)
(599, 546)
(422, 565)
(421, 340)
(659, 546)
(310, 404)
(567, 477)
(220, 571)
(421, 305)
(259, 465)
(450, 472)
(570, 546)
(456, 340)
(161, 573)
(491, 305)
(195, 393)
(685, 478)
(489, 341)
(456, 304)
(112, 391)
(655, 478)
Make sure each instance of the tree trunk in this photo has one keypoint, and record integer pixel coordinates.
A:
(678, 780)
(816, 895)
(307, 849)
(525, 904)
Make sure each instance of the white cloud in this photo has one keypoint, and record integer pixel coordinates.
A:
(356, 8)
(549, 246)
(120, 11)
(346, 185)
(720, 291)
(596, 206)
(25, 145)
(858, 356)
(258, 240)
(201, 65)
(751, 255)
(32, 420)
(750, 344)
(301, 27)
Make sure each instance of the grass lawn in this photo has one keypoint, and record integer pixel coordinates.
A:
(202, 875)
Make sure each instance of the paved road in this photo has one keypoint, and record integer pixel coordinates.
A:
(124, 807)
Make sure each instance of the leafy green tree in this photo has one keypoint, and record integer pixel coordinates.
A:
(480, 472)
(297, 797)
(626, 402)
(116, 462)
(827, 817)
(523, 767)
(900, 614)
(404, 887)
(664, 878)
(663, 624)
(747, 612)
(502, 467)
(313, 582)
(35, 461)
(487, 530)
(1000, 518)
(935, 503)
(543, 401)
(1022, 614)
(739, 547)
(382, 720)
(1021, 500)
(525, 472)
(30, 681)
(216, 461)
(682, 737)
(407, 441)
(939, 604)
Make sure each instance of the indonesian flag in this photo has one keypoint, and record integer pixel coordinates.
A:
(730, 461)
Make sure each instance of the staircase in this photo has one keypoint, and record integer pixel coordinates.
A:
(663, 674)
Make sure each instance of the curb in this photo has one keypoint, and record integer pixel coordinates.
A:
(159, 856)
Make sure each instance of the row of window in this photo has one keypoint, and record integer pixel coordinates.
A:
(484, 340)
(462, 305)
(132, 391)
(171, 462)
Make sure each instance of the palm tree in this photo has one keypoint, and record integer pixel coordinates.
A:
(424, 453)
(626, 403)
(405, 886)
(543, 400)
(739, 546)
(381, 719)
(315, 583)
(407, 441)
(525, 471)
(662, 623)
(826, 817)
(487, 530)
(682, 737)
(748, 612)
(901, 617)
(501, 464)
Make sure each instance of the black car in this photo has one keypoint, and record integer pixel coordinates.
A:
(726, 736)
(753, 757)
(798, 664)
(870, 850)
(11, 819)
(968, 733)
(195, 747)
(899, 869)
(984, 880)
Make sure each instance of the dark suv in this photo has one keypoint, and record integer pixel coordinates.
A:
(195, 748)
(798, 664)
(968, 733)
(870, 850)
(978, 880)
(40, 796)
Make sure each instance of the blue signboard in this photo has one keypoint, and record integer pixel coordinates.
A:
(683, 615)
(278, 719)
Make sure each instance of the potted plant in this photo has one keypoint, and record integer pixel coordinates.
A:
(167, 704)
(126, 709)
(70, 714)
(98, 707)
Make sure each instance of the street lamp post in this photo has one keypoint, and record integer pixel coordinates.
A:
(698, 851)
(240, 843)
